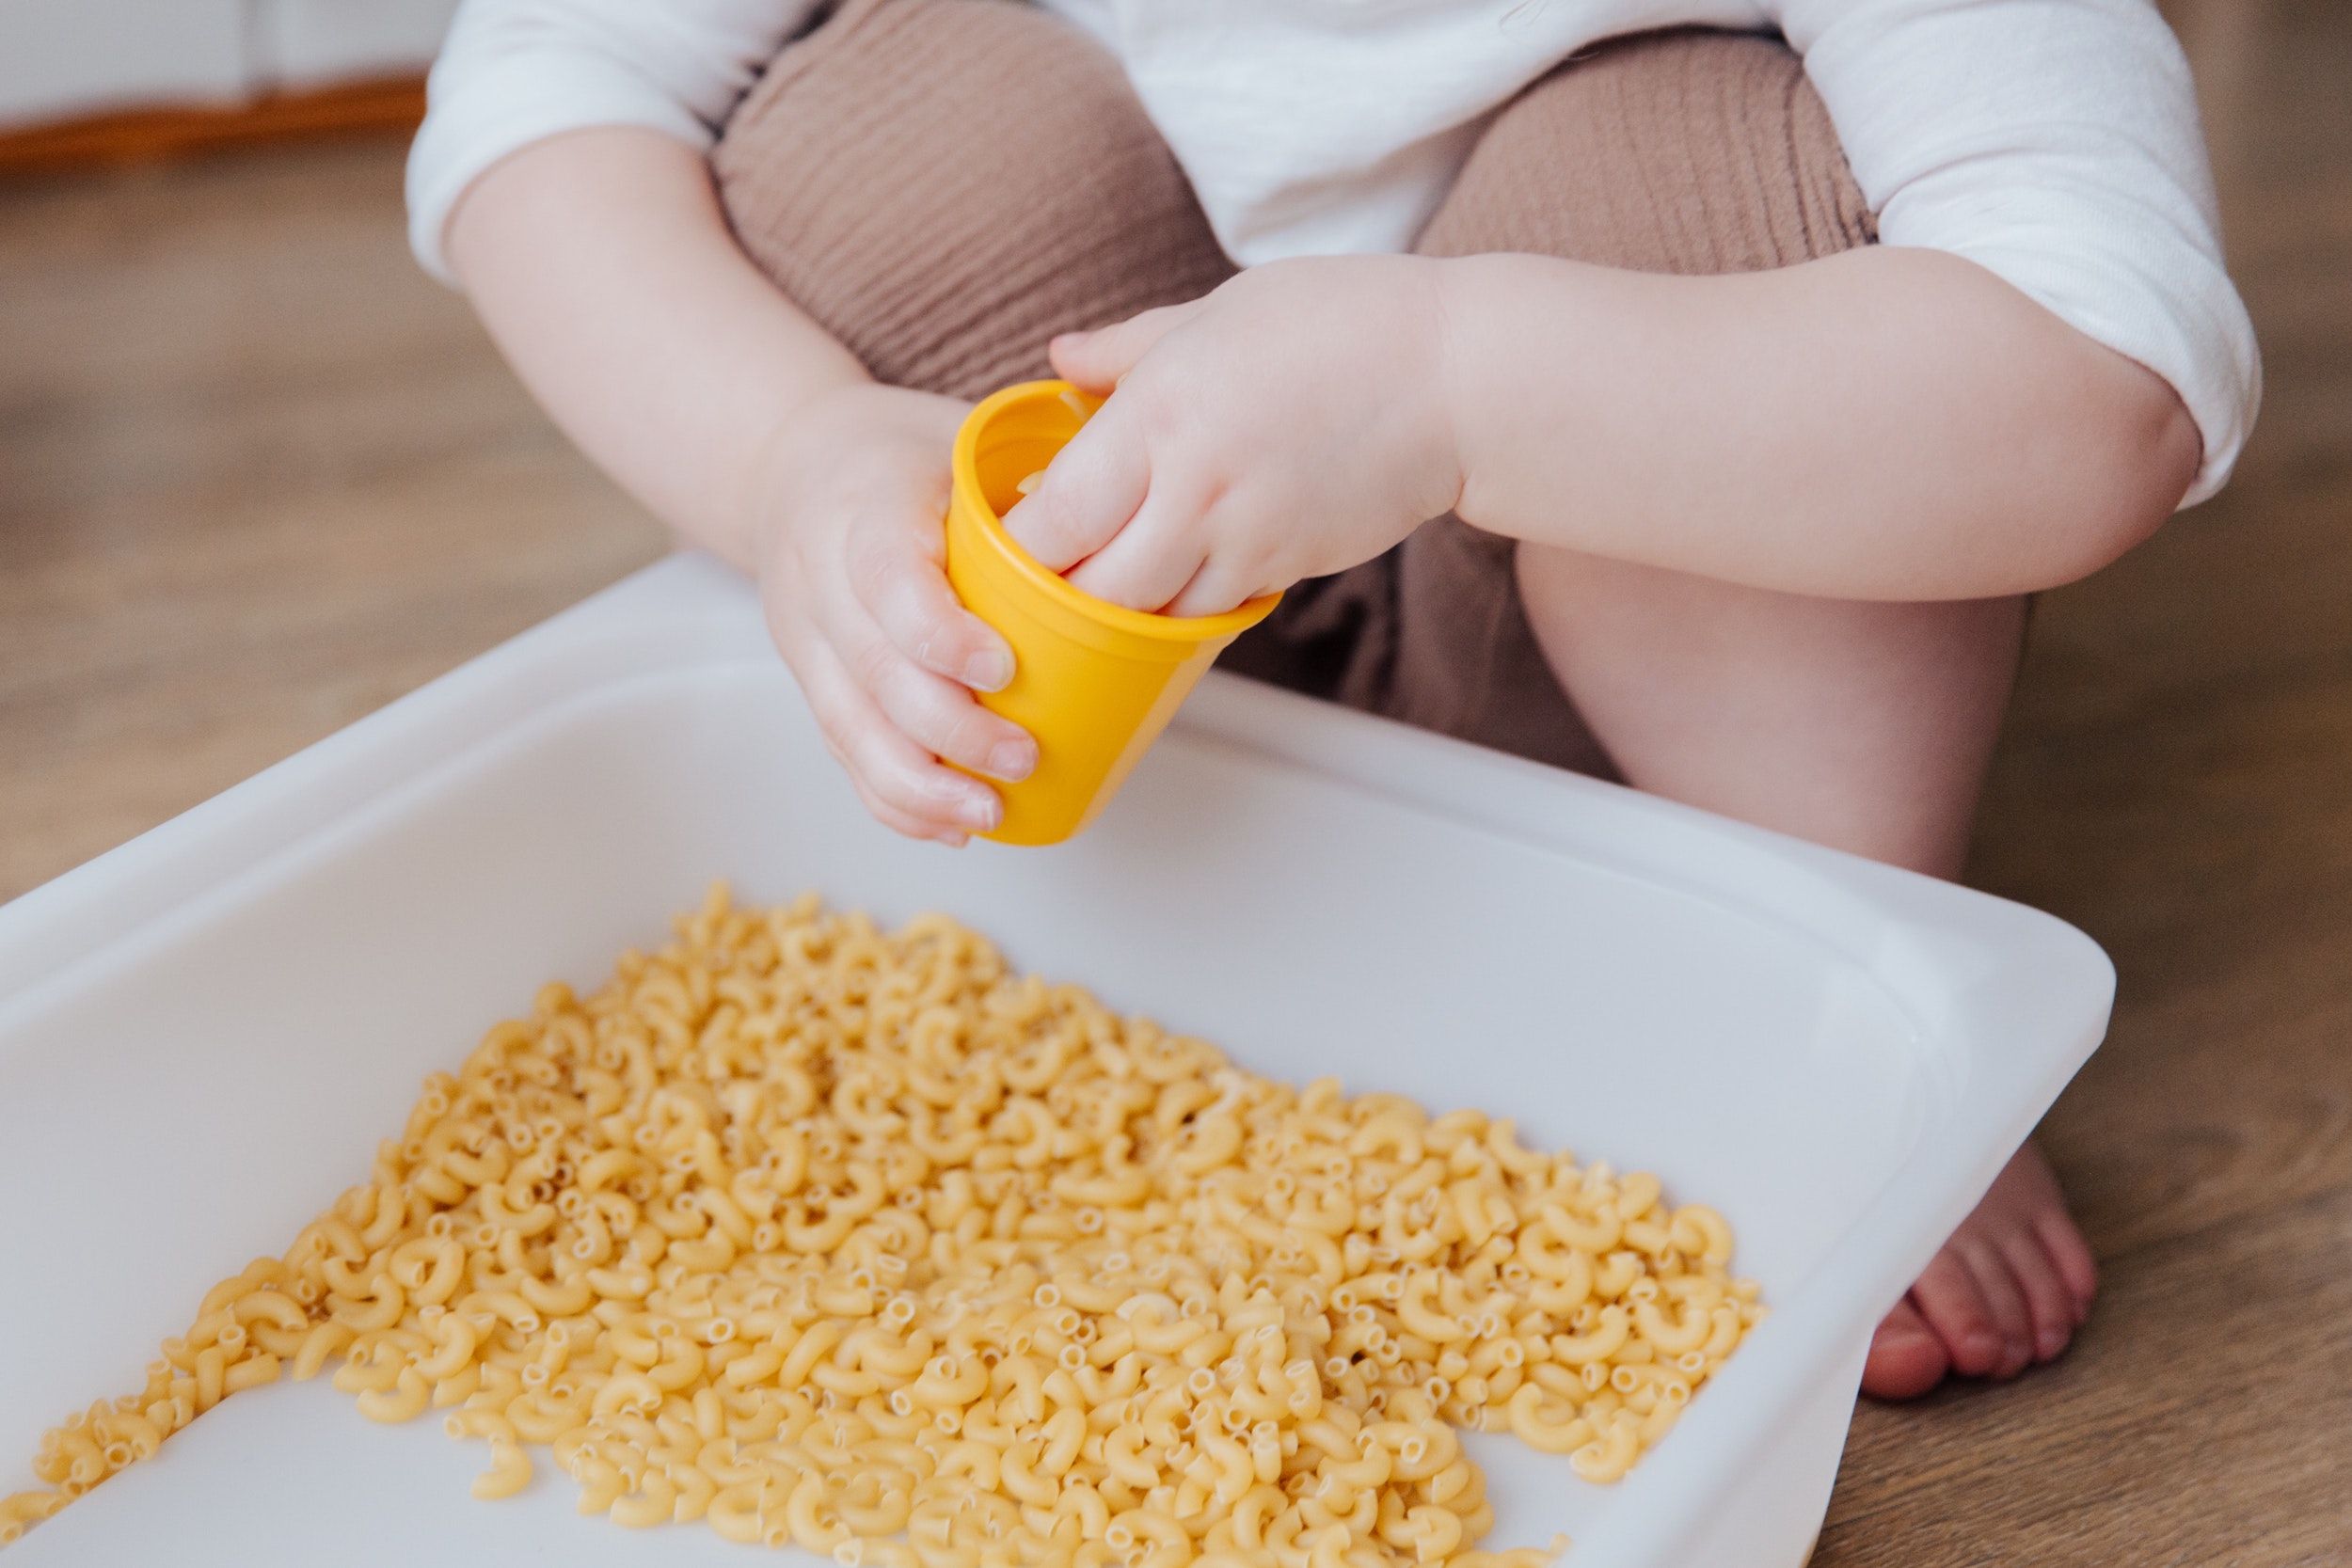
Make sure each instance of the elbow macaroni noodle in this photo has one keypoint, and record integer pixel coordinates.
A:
(864, 1243)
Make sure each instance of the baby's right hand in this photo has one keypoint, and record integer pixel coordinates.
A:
(848, 506)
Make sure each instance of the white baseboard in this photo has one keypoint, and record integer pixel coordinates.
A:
(302, 44)
(62, 58)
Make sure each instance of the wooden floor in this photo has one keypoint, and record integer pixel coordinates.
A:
(2176, 779)
(257, 476)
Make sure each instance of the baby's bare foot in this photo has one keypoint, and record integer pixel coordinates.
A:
(2009, 1290)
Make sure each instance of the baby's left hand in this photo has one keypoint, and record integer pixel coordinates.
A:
(1293, 423)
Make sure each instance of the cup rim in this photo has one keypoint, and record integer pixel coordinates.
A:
(1139, 623)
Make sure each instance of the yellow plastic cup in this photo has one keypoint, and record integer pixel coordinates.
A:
(1094, 682)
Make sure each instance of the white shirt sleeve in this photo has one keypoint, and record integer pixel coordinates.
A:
(516, 71)
(2055, 143)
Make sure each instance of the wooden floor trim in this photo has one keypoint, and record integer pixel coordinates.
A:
(387, 105)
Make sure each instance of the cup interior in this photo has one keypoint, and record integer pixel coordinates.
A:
(1020, 439)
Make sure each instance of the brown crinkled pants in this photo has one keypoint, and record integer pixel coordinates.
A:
(945, 184)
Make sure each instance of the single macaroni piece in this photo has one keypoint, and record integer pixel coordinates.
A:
(864, 1243)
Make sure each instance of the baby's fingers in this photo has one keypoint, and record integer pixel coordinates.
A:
(1214, 589)
(904, 589)
(1096, 360)
(1093, 486)
(1153, 560)
(905, 787)
(935, 713)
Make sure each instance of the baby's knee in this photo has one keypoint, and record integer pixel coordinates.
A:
(1686, 150)
(944, 184)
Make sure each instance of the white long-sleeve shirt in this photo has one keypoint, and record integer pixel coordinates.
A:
(2053, 142)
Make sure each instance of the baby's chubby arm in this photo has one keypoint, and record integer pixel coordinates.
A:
(603, 266)
(1888, 423)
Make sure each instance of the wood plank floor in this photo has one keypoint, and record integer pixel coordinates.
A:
(258, 477)
(2176, 779)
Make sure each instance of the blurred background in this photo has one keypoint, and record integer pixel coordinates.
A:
(70, 60)
(259, 476)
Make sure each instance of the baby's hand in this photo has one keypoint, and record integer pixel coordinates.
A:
(852, 498)
(1290, 424)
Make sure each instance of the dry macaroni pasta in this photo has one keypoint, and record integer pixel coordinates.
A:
(862, 1243)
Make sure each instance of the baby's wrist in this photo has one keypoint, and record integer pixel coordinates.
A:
(1540, 355)
(1455, 293)
(780, 463)
(1475, 311)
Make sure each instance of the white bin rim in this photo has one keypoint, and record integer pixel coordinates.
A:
(2029, 993)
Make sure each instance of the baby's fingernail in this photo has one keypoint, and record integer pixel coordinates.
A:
(980, 813)
(1013, 759)
(988, 670)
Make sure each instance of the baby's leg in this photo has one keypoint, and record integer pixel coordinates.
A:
(1864, 726)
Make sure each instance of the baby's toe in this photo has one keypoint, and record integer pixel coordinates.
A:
(1906, 1357)
(1953, 1304)
(2026, 1200)
(2004, 1296)
(2048, 1302)
(2070, 1255)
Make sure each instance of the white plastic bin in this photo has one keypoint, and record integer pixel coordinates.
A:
(205, 1034)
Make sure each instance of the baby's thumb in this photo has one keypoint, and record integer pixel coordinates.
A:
(1096, 361)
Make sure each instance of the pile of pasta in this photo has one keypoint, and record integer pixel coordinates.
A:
(862, 1243)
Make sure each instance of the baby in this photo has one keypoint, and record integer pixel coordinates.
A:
(1694, 407)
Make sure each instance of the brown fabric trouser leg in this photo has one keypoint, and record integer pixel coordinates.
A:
(944, 184)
